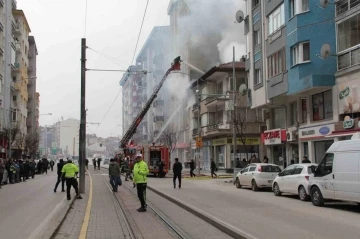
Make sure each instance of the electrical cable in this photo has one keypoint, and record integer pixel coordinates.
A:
(113, 59)
(86, 5)
(137, 42)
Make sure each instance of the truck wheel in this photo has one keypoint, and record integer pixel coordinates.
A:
(316, 197)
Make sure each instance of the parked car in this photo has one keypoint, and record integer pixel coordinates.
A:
(294, 180)
(337, 175)
(257, 175)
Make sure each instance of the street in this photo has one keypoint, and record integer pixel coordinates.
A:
(26, 206)
(263, 215)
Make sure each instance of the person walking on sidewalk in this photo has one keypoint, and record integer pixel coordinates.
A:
(213, 169)
(70, 172)
(98, 162)
(192, 168)
(60, 177)
(141, 171)
(87, 164)
(2, 170)
(94, 163)
(177, 168)
(114, 175)
(52, 163)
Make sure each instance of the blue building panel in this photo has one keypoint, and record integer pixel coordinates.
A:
(318, 27)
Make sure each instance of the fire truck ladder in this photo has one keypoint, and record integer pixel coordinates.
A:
(132, 129)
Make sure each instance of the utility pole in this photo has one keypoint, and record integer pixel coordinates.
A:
(199, 127)
(235, 116)
(82, 133)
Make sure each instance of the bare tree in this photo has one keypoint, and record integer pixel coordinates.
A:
(5, 133)
(238, 121)
(32, 143)
(20, 142)
(170, 139)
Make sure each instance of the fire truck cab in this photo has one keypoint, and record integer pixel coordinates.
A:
(153, 155)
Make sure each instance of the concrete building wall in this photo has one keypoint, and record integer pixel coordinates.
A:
(31, 87)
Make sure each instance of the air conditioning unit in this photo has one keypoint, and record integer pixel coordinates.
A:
(291, 135)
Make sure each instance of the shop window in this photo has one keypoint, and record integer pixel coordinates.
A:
(322, 110)
(220, 155)
(293, 113)
(320, 149)
(278, 118)
(303, 111)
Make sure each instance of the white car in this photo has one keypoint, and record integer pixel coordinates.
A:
(257, 175)
(294, 180)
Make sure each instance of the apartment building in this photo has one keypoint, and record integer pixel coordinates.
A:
(37, 109)
(289, 78)
(215, 93)
(19, 73)
(31, 121)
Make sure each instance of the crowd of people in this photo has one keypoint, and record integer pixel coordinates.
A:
(19, 170)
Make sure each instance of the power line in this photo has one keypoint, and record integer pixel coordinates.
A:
(137, 42)
(86, 4)
(113, 59)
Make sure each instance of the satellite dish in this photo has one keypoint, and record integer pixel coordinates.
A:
(239, 16)
(243, 89)
(324, 3)
(325, 51)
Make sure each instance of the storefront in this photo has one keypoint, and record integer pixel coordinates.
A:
(276, 141)
(344, 130)
(223, 150)
(315, 141)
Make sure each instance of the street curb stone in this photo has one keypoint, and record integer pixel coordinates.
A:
(222, 226)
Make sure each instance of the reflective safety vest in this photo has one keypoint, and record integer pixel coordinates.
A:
(70, 170)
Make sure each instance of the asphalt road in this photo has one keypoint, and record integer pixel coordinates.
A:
(25, 206)
(263, 215)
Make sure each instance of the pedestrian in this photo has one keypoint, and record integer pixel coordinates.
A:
(306, 160)
(192, 167)
(266, 160)
(60, 177)
(141, 171)
(40, 167)
(213, 168)
(2, 170)
(22, 171)
(94, 163)
(177, 168)
(52, 163)
(45, 165)
(161, 169)
(87, 163)
(32, 168)
(127, 168)
(98, 162)
(70, 172)
(114, 175)
(238, 163)
(13, 170)
(26, 169)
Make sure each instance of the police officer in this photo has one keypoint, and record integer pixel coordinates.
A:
(60, 177)
(141, 171)
(70, 171)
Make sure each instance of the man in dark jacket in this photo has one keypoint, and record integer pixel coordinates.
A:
(2, 170)
(306, 160)
(213, 168)
(52, 163)
(45, 165)
(22, 171)
(98, 162)
(114, 175)
(26, 169)
(60, 176)
(177, 168)
(192, 167)
(32, 168)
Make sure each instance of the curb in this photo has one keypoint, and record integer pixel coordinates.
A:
(222, 226)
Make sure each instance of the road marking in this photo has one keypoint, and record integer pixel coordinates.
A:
(85, 224)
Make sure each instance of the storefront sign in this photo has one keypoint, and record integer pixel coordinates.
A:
(349, 96)
(272, 137)
(348, 123)
(317, 131)
(239, 141)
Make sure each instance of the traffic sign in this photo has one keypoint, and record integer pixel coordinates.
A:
(54, 144)
(199, 142)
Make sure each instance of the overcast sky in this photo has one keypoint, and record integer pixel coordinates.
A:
(112, 29)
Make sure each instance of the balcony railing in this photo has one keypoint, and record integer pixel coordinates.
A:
(343, 6)
(195, 132)
(349, 59)
(195, 106)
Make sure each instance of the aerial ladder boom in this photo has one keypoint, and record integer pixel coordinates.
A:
(132, 129)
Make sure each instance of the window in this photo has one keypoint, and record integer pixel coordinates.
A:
(257, 35)
(238, 82)
(288, 171)
(255, 2)
(277, 63)
(299, 6)
(276, 19)
(279, 116)
(252, 169)
(301, 53)
(257, 77)
(298, 170)
(14, 97)
(14, 78)
(343, 6)
(326, 165)
(303, 111)
(293, 113)
(348, 33)
(322, 110)
(13, 115)
(220, 117)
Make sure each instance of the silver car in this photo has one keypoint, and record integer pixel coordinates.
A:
(257, 175)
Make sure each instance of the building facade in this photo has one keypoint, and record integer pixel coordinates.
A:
(31, 88)
(292, 78)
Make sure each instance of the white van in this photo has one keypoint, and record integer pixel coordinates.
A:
(337, 176)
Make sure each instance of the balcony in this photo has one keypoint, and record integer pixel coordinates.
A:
(16, 66)
(216, 101)
(343, 6)
(195, 107)
(195, 132)
(349, 59)
(158, 118)
(217, 128)
(17, 46)
(158, 103)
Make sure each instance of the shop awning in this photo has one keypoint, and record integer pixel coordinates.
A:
(342, 133)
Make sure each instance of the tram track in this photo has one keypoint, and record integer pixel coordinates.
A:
(173, 229)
